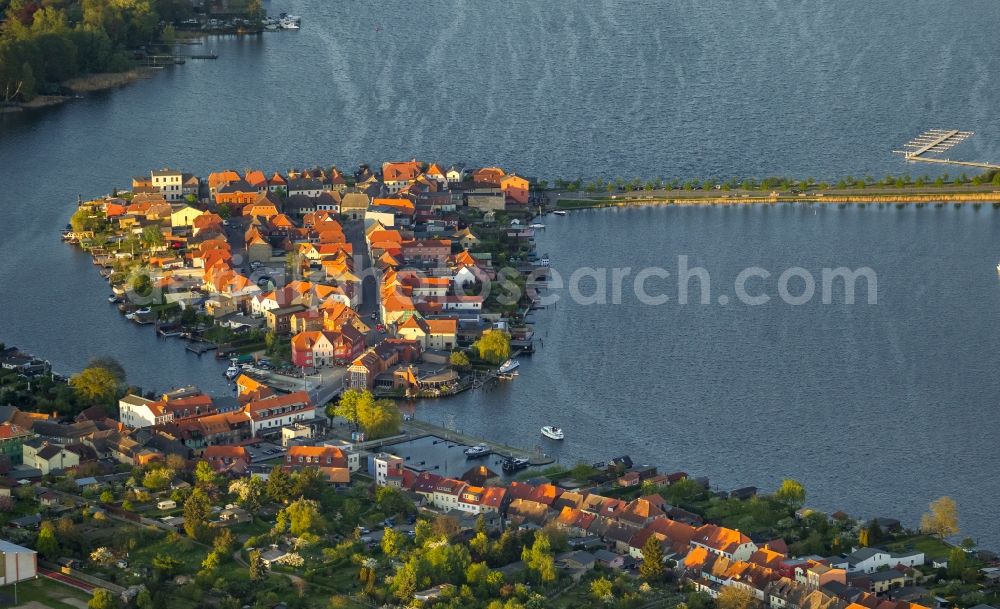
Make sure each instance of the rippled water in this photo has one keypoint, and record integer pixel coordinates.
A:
(877, 410)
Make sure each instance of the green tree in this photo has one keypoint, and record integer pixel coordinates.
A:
(392, 542)
(942, 519)
(279, 485)
(379, 418)
(735, 597)
(84, 219)
(47, 544)
(158, 479)
(152, 236)
(301, 517)
(249, 492)
(102, 599)
(258, 569)
(458, 359)
(224, 542)
(791, 493)
(651, 568)
(391, 501)
(347, 406)
(493, 346)
(196, 511)
(95, 385)
(958, 561)
(539, 560)
(602, 589)
(205, 476)
(404, 582)
(166, 564)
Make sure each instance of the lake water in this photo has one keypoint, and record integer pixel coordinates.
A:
(876, 409)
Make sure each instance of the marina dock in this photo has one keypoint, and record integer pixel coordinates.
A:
(200, 347)
(937, 141)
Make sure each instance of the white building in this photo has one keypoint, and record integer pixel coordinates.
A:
(136, 411)
(170, 183)
(19, 563)
(271, 414)
(870, 560)
(381, 464)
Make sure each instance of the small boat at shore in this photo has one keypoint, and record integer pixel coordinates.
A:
(998, 267)
(233, 370)
(537, 225)
(509, 366)
(475, 452)
(552, 432)
(543, 261)
(511, 465)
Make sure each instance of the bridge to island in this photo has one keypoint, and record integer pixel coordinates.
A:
(935, 141)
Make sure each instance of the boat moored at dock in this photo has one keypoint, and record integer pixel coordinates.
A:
(475, 452)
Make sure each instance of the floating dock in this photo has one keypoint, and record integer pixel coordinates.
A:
(937, 141)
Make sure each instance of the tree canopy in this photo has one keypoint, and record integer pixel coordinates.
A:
(95, 384)
(941, 519)
(493, 346)
(378, 418)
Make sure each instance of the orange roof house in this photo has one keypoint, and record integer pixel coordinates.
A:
(515, 188)
(219, 179)
(401, 171)
(329, 460)
(256, 179)
(264, 205)
(488, 175)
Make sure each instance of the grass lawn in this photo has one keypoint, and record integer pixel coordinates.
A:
(931, 546)
(580, 203)
(184, 549)
(50, 593)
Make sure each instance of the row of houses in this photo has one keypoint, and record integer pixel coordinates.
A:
(708, 555)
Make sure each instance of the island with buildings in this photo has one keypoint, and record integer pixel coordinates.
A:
(408, 282)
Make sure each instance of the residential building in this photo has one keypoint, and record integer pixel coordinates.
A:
(12, 438)
(269, 415)
(136, 411)
(169, 183)
(48, 458)
(329, 460)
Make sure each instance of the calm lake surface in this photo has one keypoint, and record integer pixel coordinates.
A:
(877, 409)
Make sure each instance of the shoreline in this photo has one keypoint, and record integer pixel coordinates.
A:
(82, 85)
(917, 198)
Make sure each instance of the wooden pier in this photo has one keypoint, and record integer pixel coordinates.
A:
(936, 141)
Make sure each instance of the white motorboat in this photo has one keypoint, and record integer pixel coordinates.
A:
(559, 212)
(537, 225)
(552, 432)
(998, 267)
(509, 366)
(543, 261)
(289, 25)
(474, 452)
